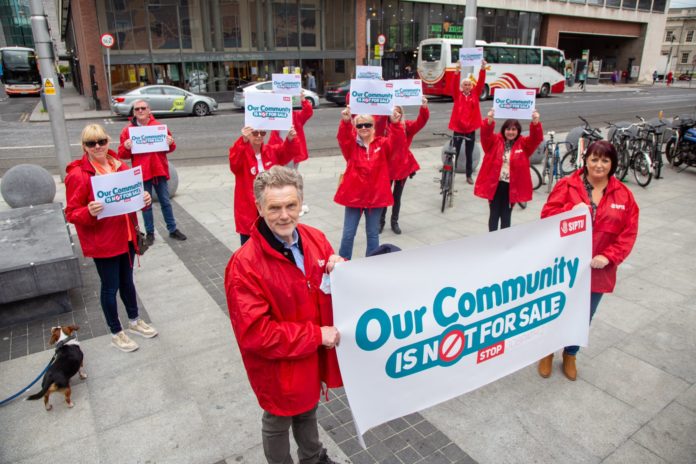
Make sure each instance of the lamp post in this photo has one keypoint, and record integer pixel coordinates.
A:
(669, 58)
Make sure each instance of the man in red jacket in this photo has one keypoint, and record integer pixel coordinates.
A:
(155, 171)
(280, 309)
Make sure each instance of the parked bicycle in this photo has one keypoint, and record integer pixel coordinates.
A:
(681, 147)
(652, 136)
(640, 161)
(551, 164)
(572, 160)
(621, 137)
(448, 170)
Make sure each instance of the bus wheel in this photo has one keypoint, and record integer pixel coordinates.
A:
(544, 91)
(485, 93)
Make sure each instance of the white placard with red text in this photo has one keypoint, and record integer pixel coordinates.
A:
(264, 110)
(120, 192)
(420, 327)
(289, 84)
(368, 72)
(471, 56)
(407, 92)
(371, 97)
(514, 103)
(148, 139)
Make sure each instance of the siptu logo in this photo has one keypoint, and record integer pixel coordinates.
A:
(573, 226)
(136, 171)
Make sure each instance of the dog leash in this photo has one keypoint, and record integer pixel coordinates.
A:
(58, 346)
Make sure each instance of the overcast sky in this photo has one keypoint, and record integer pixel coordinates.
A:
(682, 3)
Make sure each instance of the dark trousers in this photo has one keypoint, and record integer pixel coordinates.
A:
(276, 437)
(116, 275)
(398, 190)
(468, 149)
(501, 209)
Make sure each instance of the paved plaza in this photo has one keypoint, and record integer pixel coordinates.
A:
(183, 397)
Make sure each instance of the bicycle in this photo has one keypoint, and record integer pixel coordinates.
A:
(621, 139)
(572, 160)
(448, 170)
(551, 163)
(640, 161)
(653, 145)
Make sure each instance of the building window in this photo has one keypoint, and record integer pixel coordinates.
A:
(285, 24)
(690, 36)
(629, 4)
(164, 25)
(659, 6)
(669, 36)
(231, 31)
(613, 3)
(644, 5)
(684, 58)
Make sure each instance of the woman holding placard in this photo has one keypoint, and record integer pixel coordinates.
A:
(365, 185)
(110, 241)
(504, 178)
(614, 215)
(404, 166)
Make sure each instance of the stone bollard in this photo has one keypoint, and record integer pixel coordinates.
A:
(461, 158)
(27, 185)
(172, 183)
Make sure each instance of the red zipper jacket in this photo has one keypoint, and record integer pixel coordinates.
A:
(406, 164)
(493, 149)
(276, 314)
(466, 112)
(244, 166)
(99, 238)
(366, 182)
(614, 228)
(299, 119)
(154, 164)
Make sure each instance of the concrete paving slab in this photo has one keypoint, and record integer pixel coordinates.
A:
(626, 315)
(688, 398)
(671, 434)
(66, 453)
(631, 452)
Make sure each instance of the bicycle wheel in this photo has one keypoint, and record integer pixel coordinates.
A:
(622, 162)
(446, 185)
(535, 176)
(641, 169)
(670, 151)
(568, 162)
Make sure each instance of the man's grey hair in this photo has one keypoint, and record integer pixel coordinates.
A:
(277, 177)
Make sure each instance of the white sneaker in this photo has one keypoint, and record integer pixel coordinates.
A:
(123, 343)
(305, 210)
(142, 329)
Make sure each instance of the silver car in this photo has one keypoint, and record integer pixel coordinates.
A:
(267, 86)
(164, 99)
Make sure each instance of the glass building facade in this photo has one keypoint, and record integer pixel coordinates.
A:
(15, 18)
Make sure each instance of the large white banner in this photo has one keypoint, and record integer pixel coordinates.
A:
(290, 84)
(368, 72)
(423, 326)
(407, 92)
(267, 110)
(514, 103)
(148, 139)
(120, 192)
(371, 97)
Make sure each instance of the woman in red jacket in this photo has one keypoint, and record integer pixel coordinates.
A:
(248, 157)
(504, 178)
(365, 186)
(614, 227)
(405, 166)
(110, 241)
(466, 115)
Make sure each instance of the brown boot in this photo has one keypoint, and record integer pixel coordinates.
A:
(545, 366)
(569, 368)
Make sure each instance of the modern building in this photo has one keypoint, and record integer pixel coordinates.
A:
(213, 45)
(679, 41)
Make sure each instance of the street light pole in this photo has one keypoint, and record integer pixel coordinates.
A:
(669, 58)
(468, 34)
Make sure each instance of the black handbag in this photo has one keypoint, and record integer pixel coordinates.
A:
(142, 245)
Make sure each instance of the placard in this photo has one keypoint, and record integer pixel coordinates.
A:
(514, 103)
(374, 97)
(148, 139)
(454, 317)
(120, 192)
(263, 110)
(407, 92)
(290, 84)
(471, 56)
(369, 72)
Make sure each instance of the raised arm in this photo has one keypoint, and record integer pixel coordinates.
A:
(346, 134)
(536, 135)
(413, 127)
(487, 135)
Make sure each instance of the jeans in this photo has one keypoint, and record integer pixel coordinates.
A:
(162, 190)
(276, 437)
(468, 149)
(397, 192)
(500, 208)
(351, 220)
(116, 275)
(594, 302)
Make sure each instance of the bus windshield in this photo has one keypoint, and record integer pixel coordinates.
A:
(19, 67)
(431, 53)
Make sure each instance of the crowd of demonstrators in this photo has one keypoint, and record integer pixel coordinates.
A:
(250, 156)
(110, 241)
(614, 214)
(405, 165)
(505, 178)
(466, 116)
(155, 169)
(365, 186)
(282, 317)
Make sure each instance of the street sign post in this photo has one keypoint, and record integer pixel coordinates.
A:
(107, 40)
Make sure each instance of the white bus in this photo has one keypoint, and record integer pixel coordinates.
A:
(511, 67)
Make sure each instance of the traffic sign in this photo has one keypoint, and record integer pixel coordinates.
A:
(107, 40)
(381, 39)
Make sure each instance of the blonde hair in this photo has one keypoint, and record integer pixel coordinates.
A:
(93, 132)
(364, 117)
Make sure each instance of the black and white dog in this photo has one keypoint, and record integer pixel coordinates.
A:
(68, 363)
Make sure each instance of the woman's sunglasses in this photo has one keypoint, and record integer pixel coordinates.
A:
(94, 143)
(257, 133)
(364, 125)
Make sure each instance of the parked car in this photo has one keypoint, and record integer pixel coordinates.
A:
(267, 86)
(337, 93)
(164, 99)
(685, 77)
